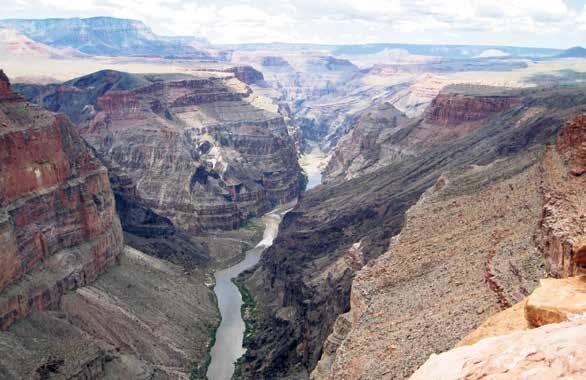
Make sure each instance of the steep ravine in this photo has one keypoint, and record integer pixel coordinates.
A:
(228, 347)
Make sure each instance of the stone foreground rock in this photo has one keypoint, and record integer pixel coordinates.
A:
(556, 301)
(552, 351)
(549, 352)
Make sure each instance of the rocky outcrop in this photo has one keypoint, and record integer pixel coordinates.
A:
(450, 110)
(4, 83)
(549, 352)
(308, 266)
(572, 145)
(556, 300)
(200, 153)
(246, 74)
(563, 226)
(58, 223)
(505, 346)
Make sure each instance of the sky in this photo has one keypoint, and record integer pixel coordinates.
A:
(534, 23)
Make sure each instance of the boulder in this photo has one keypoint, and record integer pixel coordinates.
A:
(549, 352)
(556, 300)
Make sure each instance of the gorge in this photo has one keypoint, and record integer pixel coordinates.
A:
(175, 209)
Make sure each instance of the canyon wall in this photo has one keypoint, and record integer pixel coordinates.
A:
(58, 217)
(199, 150)
(509, 224)
(74, 302)
(337, 228)
(563, 225)
(380, 135)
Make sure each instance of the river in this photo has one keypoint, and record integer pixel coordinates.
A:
(229, 336)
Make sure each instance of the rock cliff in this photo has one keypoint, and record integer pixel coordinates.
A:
(440, 279)
(454, 109)
(66, 311)
(365, 149)
(338, 228)
(572, 145)
(200, 152)
(563, 226)
(374, 140)
(58, 223)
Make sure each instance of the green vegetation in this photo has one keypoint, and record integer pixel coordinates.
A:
(257, 227)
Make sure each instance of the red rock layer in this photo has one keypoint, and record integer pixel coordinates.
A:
(454, 109)
(4, 83)
(572, 144)
(58, 222)
(5, 93)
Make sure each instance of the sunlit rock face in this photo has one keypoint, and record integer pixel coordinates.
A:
(549, 352)
(539, 337)
(58, 223)
(198, 148)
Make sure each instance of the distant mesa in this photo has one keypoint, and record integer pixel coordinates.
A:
(107, 36)
(575, 52)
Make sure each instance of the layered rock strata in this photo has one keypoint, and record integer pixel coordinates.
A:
(381, 134)
(198, 150)
(142, 319)
(58, 224)
(66, 312)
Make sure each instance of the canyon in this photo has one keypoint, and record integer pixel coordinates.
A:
(172, 209)
(338, 228)
(201, 150)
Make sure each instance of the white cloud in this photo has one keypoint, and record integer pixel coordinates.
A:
(513, 22)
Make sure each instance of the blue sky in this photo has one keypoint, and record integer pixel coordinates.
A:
(541, 23)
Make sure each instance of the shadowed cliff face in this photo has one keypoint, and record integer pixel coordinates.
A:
(337, 228)
(57, 212)
(198, 150)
